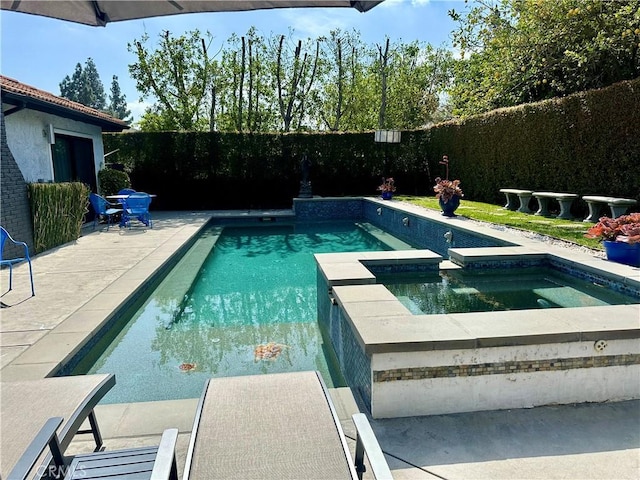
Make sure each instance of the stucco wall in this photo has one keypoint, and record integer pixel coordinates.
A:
(571, 376)
(27, 137)
(15, 212)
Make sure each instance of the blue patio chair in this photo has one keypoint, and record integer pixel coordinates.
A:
(102, 208)
(4, 236)
(125, 191)
(136, 205)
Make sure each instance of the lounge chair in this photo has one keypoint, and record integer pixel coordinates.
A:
(154, 463)
(25, 406)
(10, 262)
(280, 426)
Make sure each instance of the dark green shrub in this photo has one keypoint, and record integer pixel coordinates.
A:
(112, 181)
(58, 211)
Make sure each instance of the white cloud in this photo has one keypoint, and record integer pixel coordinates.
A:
(314, 24)
(390, 3)
(137, 109)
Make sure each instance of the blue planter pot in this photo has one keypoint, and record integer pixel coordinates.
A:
(621, 252)
(387, 195)
(449, 207)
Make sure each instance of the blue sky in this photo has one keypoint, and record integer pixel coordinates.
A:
(40, 51)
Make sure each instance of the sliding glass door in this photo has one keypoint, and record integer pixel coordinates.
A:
(73, 160)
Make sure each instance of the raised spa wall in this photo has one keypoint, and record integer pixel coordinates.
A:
(406, 365)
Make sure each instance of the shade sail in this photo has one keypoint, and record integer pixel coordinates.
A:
(99, 13)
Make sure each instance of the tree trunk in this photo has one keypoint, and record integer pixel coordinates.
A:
(241, 84)
(384, 60)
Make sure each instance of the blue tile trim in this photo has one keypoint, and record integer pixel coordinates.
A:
(425, 233)
(574, 271)
(326, 209)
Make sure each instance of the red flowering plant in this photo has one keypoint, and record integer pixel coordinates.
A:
(446, 189)
(625, 228)
(388, 185)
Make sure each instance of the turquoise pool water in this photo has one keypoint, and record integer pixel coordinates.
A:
(459, 291)
(251, 309)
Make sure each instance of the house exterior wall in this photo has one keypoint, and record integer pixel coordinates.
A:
(15, 211)
(28, 138)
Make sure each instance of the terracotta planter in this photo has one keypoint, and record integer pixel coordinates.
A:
(621, 252)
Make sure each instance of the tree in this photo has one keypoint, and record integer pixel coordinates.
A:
(245, 100)
(84, 86)
(295, 73)
(516, 51)
(418, 75)
(118, 102)
(178, 74)
(411, 77)
(339, 74)
(260, 85)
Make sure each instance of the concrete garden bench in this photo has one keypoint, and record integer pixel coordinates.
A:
(523, 195)
(618, 206)
(564, 199)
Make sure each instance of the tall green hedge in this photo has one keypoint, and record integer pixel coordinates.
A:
(588, 143)
(58, 212)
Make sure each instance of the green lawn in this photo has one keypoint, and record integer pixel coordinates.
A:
(568, 230)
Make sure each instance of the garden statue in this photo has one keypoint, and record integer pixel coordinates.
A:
(305, 184)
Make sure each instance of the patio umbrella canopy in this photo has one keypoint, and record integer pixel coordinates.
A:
(99, 13)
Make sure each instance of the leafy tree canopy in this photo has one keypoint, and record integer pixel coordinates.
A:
(257, 84)
(519, 51)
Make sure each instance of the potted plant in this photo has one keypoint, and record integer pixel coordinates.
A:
(620, 236)
(448, 192)
(387, 188)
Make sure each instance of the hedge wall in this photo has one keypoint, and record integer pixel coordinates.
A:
(588, 143)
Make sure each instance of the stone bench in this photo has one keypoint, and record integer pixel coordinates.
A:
(618, 206)
(523, 195)
(564, 199)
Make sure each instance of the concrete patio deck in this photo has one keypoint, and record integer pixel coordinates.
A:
(78, 286)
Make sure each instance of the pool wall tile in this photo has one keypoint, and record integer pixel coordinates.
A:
(627, 288)
(423, 232)
(326, 209)
(354, 363)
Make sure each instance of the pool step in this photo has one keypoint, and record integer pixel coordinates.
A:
(174, 288)
(385, 237)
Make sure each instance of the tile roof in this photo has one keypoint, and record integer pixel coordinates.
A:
(12, 86)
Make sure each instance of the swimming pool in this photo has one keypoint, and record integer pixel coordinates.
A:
(389, 356)
(250, 309)
(459, 291)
